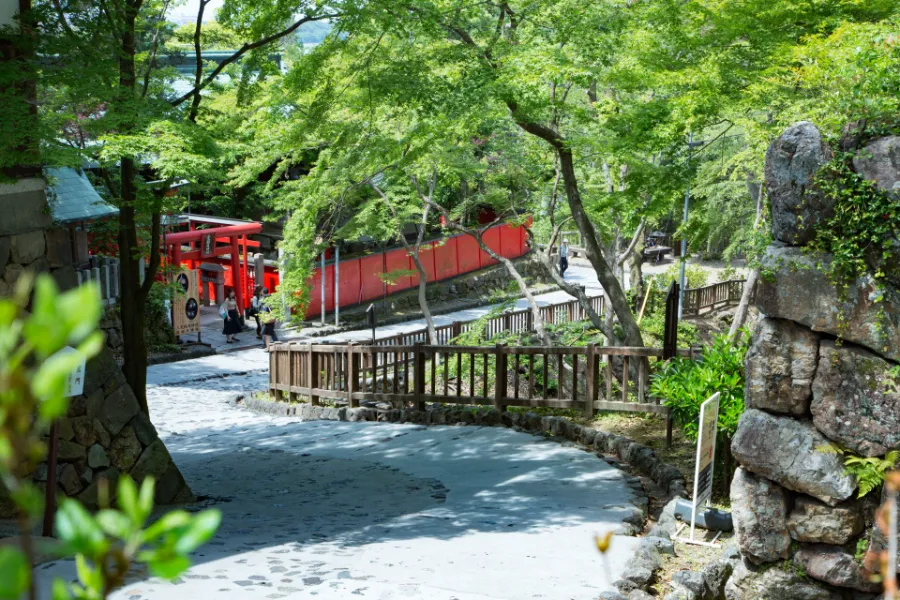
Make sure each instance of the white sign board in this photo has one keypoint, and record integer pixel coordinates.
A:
(706, 455)
(75, 384)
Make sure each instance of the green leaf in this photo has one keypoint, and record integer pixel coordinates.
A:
(168, 522)
(170, 567)
(128, 500)
(78, 530)
(203, 526)
(145, 498)
(15, 573)
(60, 591)
(115, 523)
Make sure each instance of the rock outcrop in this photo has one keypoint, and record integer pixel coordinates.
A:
(821, 375)
(791, 453)
(791, 165)
(759, 510)
(856, 400)
(781, 364)
(815, 522)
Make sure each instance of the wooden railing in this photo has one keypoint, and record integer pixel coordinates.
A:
(586, 379)
(515, 321)
(711, 297)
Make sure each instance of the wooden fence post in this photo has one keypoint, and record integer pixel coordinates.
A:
(312, 375)
(457, 329)
(274, 357)
(591, 376)
(352, 374)
(670, 331)
(293, 375)
(419, 377)
(501, 382)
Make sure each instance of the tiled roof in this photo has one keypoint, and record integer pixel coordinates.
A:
(73, 198)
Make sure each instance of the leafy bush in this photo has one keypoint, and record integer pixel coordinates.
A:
(685, 384)
(869, 471)
(653, 326)
(694, 276)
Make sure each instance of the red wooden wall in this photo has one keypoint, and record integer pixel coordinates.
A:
(457, 255)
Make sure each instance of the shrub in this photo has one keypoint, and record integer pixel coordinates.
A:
(694, 276)
(685, 384)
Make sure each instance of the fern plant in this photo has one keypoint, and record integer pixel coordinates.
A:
(869, 471)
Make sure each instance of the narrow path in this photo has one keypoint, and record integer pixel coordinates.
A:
(377, 510)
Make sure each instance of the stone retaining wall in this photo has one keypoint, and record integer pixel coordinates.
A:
(104, 433)
(808, 393)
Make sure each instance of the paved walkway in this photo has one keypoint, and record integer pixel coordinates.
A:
(377, 510)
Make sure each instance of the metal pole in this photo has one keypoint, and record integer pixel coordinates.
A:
(323, 288)
(687, 199)
(281, 273)
(337, 285)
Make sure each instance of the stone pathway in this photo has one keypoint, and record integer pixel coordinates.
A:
(376, 510)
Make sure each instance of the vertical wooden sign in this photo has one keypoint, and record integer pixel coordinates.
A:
(186, 305)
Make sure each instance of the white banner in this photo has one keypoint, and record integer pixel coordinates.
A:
(706, 455)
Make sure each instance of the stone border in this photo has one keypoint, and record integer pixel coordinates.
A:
(640, 574)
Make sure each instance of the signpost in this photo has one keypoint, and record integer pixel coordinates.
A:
(186, 305)
(703, 469)
(74, 387)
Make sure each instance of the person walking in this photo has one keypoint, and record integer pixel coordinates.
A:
(563, 257)
(232, 318)
(268, 320)
(255, 304)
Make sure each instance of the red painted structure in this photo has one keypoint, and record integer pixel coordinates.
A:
(211, 245)
(360, 278)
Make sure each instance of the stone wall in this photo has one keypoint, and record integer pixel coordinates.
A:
(104, 433)
(818, 376)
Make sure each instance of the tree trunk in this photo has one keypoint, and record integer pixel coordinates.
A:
(740, 315)
(616, 298)
(423, 292)
(132, 300)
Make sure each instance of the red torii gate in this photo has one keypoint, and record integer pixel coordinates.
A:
(214, 242)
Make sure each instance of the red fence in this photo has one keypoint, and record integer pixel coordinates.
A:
(360, 278)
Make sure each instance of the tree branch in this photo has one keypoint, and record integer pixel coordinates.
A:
(198, 70)
(637, 235)
(247, 48)
(154, 253)
(154, 48)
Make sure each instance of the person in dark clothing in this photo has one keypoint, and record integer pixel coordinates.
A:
(232, 318)
(564, 257)
(268, 319)
(255, 305)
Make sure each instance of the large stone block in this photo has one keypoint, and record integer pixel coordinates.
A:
(749, 583)
(98, 371)
(795, 286)
(781, 363)
(879, 162)
(856, 401)
(5, 243)
(815, 522)
(116, 410)
(157, 462)
(28, 247)
(790, 453)
(833, 566)
(24, 207)
(791, 165)
(759, 510)
(125, 449)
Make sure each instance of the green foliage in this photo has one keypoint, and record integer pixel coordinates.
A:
(34, 371)
(653, 327)
(860, 236)
(695, 277)
(685, 384)
(869, 471)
